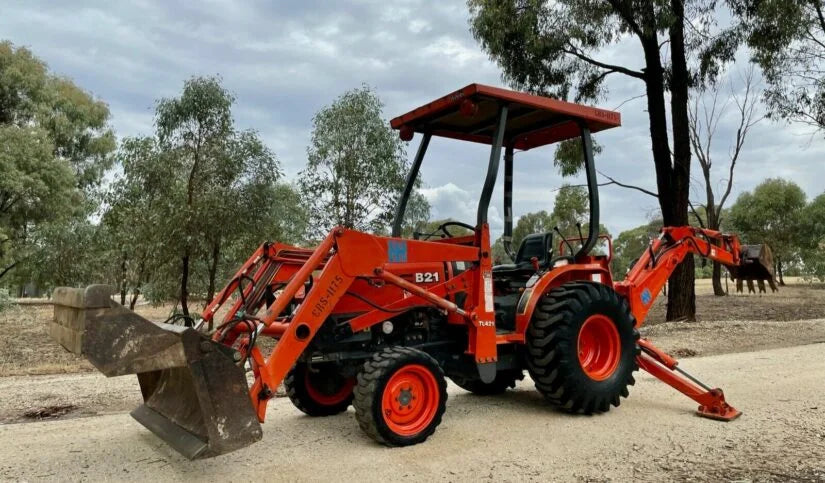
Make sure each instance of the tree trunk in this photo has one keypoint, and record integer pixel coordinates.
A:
(718, 290)
(138, 284)
(716, 277)
(123, 279)
(681, 303)
(213, 270)
(673, 191)
(184, 284)
(779, 271)
(135, 295)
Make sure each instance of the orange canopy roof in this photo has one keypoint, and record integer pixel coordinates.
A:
(470, 114)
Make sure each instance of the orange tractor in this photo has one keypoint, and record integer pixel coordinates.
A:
(381, 322)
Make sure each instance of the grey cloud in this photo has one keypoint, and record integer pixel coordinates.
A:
(286, 59)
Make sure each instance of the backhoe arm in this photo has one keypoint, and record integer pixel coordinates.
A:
(648, 276)
(645, 281)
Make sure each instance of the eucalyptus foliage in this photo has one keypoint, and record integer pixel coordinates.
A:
(55, 145)
(356, 167)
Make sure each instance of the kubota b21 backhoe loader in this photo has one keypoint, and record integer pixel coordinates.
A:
(381, 322)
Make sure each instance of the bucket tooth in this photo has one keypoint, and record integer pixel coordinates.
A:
(196, 398)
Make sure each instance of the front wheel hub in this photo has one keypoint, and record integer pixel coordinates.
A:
(410, 400)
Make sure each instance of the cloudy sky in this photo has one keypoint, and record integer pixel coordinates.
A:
(286, 59)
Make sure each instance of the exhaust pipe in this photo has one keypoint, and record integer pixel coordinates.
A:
(196, 399)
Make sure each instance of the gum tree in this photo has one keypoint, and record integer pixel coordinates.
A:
(55, 144)
(356, 167)
(559, 49)
(705, 113)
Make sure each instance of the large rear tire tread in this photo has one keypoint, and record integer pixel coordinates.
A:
(552, 348)
(370, 388)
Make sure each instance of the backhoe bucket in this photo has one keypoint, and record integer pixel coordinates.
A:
(756, 263)
(196, 398)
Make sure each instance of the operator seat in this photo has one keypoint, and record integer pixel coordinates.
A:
(510, 279)
(538, 245)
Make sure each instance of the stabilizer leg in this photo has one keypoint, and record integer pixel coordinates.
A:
(712, 402)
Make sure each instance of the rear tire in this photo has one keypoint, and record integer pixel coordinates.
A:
(400, 397)
(504, 380)
(582, 347)
(320, 391)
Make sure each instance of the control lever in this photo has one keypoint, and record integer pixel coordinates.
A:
(556, 229)
(579, 226)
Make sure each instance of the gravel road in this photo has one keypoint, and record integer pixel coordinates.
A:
(652, 436)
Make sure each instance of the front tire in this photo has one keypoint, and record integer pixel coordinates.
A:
(582, 347)
(320, 390)
(400, 397)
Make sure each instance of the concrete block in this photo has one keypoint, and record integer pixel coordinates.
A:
(70, 339)
(71, 306)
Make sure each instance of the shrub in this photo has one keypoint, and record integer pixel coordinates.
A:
(5, 299)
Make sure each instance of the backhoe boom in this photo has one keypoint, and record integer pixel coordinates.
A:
(645, 281)
(650, 273)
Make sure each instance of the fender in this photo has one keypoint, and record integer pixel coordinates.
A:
(596, 272)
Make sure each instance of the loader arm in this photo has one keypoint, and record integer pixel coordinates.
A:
(342, 257)
(645, 281)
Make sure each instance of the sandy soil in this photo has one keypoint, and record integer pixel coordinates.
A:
(653, 436)
(27, 398)
(755, 347)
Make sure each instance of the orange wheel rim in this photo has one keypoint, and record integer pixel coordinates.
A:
(328, 396)
(599, 347)
(410, 400)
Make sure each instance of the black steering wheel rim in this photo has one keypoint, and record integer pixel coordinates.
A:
(443, 227)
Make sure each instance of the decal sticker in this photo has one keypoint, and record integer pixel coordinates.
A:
(489, 305)
(397, 251)
(426, 277)
(646, 296)
(323, 302)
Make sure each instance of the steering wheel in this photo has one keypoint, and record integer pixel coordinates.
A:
(443, 227)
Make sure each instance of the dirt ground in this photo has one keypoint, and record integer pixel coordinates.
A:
(796, 301)
(652, 436)
(763, 350)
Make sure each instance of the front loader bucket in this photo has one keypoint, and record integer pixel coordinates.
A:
(196, 398)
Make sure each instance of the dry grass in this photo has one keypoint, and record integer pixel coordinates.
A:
(27, 349)
(797, 300)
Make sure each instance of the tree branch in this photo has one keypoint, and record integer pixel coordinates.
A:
(696, 214)
(6, 270)
(746, 112)
(628, 186)
(819, 14)
(627, 16)
(611, 182)
(610, 67)
(629, 100)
